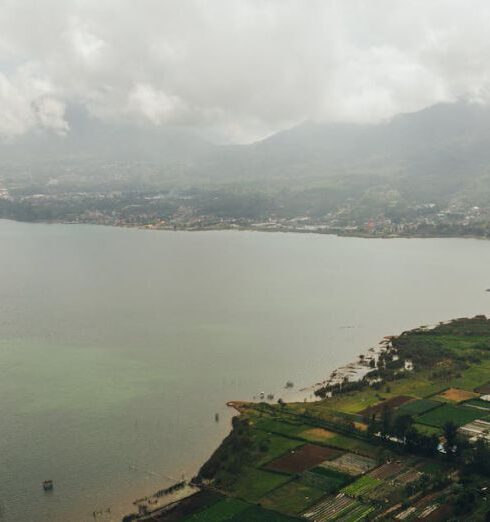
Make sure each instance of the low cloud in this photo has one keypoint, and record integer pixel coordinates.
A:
(237, 69)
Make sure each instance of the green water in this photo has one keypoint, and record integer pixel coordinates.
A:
(117, 347)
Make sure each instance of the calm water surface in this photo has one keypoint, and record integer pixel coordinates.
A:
(117, 347)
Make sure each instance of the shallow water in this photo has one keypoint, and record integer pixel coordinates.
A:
(118, 346)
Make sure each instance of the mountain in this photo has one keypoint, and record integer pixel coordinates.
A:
(436, 151)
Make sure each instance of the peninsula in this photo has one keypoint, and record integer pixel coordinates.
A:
(406, 440)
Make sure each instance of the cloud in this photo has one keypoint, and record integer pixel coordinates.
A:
(237, 69)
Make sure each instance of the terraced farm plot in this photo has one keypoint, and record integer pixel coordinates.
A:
(351, 464)
(328, 480)
(362, 486)
(377, 409)
(386, 471)
(478, 403)
(292, 498)
(358, 513)
(449, 413)
(418, 407)
(457, 395)
(411, 475)
(333, 508)
(302, 458)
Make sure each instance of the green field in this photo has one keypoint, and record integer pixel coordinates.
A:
(258, 514)
(418, 407)
(254, 483)
(292, 498)
(225, 509)
(357, 514)
(478, 403)
(275, 445)
(361, 486)
(449, 413)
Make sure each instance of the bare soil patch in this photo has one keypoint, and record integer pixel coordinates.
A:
(458, 395)
(319, 434)
(302, 458)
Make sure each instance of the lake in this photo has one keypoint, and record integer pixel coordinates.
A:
(118, 346)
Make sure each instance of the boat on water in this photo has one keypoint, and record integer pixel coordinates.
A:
(48, 485)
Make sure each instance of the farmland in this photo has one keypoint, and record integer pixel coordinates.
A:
(438, 417)
(302, 458)
(367, 453)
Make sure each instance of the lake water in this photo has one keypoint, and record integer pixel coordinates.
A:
(118, 346)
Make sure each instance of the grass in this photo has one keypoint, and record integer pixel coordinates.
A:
(225, 509)
(418, 407)
(361, 486)
(255, 483)
(428, 430)
(292, 498)
(258, 514)
(276, 446)
(447, 412)
(473, 377)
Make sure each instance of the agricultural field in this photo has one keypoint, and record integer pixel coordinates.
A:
(456, 395)
(449, 413)
(225, 509)
(340, 507)
(259, 514)
(317, 461)
(328, 480)
(292, 498)
(255, 483)
(418, 407)
(302, 458)
(387, 471)
(377, 409)
(276, 445)
(351, 464)
(478, 403)
(362, 486)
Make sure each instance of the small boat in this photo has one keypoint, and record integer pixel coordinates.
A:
(48, 485)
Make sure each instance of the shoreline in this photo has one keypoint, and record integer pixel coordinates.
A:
(355, 369)
(285, 230)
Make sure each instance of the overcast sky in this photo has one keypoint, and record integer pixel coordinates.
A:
(236, 69)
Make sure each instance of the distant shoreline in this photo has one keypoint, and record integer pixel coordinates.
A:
(285, 230)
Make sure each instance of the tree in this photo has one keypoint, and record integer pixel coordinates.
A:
(451, 438)
(386, 420)
(401, 426)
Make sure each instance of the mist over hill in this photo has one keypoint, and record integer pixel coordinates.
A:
(340, 173)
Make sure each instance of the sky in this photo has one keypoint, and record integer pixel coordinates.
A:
(236, 70)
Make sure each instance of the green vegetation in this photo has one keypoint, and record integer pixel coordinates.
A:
(375, 444)
(251, 484)
(438, 417)
(418, 407)
(292, 498)
(225, 509)
(362, 486)
(328, 480)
